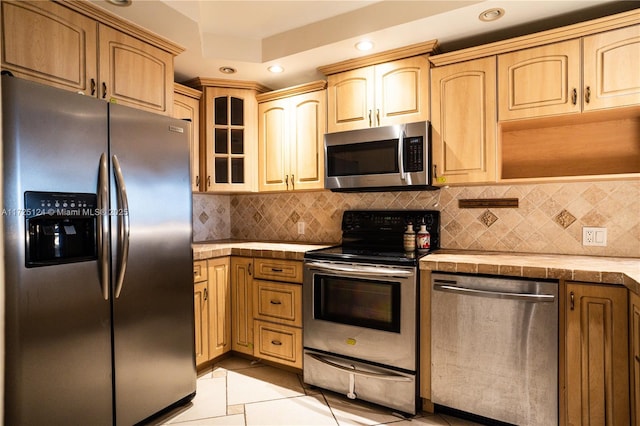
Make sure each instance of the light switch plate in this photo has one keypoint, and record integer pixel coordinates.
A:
(594, 236)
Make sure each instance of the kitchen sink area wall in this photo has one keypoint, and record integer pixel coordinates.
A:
(548, 219)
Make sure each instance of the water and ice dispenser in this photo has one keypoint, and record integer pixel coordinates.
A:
(60, 228)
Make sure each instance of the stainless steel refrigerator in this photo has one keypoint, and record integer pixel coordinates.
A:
(99, 288)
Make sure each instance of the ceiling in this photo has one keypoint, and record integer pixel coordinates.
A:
(301, 35)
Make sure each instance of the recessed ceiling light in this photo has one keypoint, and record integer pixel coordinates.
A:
(227, 70)
(491, 14)
(276, 69)
(120, 2)
(364, 45)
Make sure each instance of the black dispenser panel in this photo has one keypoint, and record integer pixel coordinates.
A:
(60, 228)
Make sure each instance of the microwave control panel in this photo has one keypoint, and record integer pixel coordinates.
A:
(413, 154)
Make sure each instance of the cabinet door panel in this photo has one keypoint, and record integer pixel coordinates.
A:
(401, 91)
(37, 34)
(634, 330)
(597, 363)
(350, 100)
(201, 311)
(242, 305)
(272, 139)
(540, 81)
(135, 73)
(307, 149)
(185, 107)
(464, 93)
(608, 60)
(219, 307)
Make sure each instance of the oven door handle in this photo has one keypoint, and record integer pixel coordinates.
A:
(352, 370)
(361, 270)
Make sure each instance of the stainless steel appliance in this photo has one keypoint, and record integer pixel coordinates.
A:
(97, 228)
(494, 347)
(360, 309)
(381, 158)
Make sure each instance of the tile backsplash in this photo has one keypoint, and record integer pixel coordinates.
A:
(549, 217)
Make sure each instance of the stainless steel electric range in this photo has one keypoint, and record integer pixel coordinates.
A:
(360, 309)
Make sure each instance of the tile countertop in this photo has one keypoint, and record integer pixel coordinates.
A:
(609, 270)
(291, 251)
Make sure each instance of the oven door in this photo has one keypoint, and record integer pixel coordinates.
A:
(362, 311)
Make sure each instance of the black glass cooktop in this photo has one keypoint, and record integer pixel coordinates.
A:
(376, 236)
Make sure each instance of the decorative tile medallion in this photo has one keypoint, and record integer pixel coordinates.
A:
(564, 219)
(488, 218)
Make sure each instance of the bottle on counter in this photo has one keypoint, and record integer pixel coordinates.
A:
(423, 238)
(409, 238)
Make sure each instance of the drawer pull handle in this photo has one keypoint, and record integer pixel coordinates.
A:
(276, 343)
(637, 358)
(574, 96)
(275, 302)
(276, 269)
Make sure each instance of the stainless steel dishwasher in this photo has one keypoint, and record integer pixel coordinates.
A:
(494, 347)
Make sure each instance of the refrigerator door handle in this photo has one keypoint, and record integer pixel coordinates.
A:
(103, 225)
(124, 227)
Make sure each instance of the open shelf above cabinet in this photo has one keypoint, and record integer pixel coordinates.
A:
(604, 143)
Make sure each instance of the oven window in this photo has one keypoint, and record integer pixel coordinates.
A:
(359, 302)
(363, 158)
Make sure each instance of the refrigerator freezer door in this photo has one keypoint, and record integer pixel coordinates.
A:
(58, 331)
(153, 311)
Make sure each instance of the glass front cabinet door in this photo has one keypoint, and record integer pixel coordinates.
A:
(231, 139)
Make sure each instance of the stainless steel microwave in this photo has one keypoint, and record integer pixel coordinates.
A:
(389, 158)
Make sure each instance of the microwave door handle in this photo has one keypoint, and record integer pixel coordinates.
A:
(400, 156)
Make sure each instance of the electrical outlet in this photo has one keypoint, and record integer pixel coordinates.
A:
(301, 228)
(593, 236)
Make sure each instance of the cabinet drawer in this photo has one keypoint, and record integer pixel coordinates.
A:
(278, 343)
(199, 271)
(278, 270)
(278, 302)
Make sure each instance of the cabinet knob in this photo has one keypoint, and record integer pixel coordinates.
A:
(637, 358)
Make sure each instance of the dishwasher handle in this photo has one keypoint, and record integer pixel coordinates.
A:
(525, 297)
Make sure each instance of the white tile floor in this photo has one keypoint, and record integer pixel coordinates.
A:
(238, 392)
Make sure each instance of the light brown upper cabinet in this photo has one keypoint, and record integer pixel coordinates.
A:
(379, 95)
(228, 134)
(186, 106)
(610, 59)
(67, 46)
(572, 76)
(290, 142)
(463, 119)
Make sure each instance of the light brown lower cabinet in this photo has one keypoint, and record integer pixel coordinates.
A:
(277, 311)
(596, 355)
(212, 307)
(634, 355)
(201, 311)
(242, 304)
